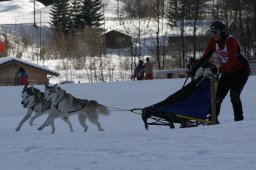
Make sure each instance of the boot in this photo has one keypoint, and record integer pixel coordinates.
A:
(239, 118)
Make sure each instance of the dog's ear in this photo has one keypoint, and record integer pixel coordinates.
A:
(24, 88)
(34, 90)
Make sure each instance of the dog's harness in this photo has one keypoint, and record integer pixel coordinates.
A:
(57, 104)
(65, 94)
(33, 107)
(37, 102)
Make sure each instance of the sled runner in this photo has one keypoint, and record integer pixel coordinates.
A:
(191, 105)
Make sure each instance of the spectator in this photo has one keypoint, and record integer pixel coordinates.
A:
(21, 77)
(139, 71)
(148, 69)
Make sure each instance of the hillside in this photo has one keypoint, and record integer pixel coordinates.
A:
(22, 11)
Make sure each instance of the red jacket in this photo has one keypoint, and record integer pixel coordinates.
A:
(24, 81)
(228, 51)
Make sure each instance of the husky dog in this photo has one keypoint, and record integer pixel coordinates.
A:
(32, 99)
(64, 104)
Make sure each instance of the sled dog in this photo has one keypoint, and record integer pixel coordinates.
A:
(65, 104)
(32, 99)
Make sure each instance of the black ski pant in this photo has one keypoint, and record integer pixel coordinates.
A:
(233, 82)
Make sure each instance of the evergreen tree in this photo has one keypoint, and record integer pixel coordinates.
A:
(76, 14)
(174, 12)
(97, 14)
(91, 14)
(60, 16)
(177, 12)
(46, 2)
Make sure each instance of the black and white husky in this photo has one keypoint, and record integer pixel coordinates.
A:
(33, 100)
(65, 105)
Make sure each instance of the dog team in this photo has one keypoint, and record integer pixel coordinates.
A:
(57, 103)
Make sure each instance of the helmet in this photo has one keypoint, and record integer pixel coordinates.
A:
(218, 26)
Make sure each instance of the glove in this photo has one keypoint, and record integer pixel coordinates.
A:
(193, 66)
(196, 66)
(204, 63)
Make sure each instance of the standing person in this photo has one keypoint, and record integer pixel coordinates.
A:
(21, 77)
(139, 71)
(234, 67)
(148, 69)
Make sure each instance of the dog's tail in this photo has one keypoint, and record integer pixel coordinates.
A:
(102, 109)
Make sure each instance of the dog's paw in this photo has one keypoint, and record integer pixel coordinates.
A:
(17, 129)
(85, 129)
(40, 128)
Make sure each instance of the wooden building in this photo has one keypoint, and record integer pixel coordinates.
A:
(117, 39)
(37, 74)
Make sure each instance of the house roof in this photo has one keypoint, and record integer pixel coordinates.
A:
(118, 30)
(7, 60)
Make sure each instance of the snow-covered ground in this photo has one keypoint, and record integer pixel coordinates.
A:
(125, 144)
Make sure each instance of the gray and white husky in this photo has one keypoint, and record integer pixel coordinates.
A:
(33, 100)
(64, 104)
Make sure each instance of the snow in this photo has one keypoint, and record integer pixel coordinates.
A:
(124, 143)
(12, 10)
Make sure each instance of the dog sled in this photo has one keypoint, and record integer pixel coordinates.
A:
(192, 105)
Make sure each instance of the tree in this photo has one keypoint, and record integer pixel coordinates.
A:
(250, 6)
(172, 12)
(96, 13)
(60, 16)
(91, 14)
(195, 14)
(76, 16)
(46, 2)
(132, 7)
(177, 12)
(158, 9)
